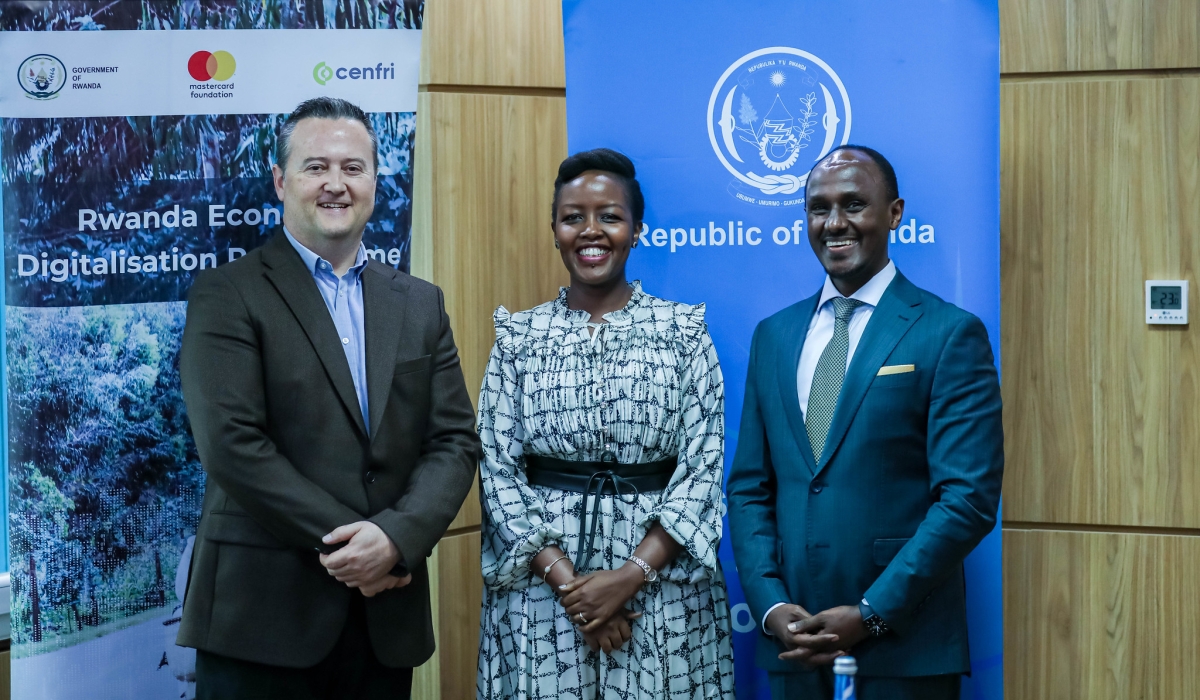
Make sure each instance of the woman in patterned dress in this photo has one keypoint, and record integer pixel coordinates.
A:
(603, 375)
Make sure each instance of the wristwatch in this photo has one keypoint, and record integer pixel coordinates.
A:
(875, 625)
(650, 575)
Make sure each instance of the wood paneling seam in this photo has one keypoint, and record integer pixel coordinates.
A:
(1100, 529)
(495, 90)
(1090, 75)
(475, 528)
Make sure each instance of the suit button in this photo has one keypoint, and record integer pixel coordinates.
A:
(816, 487)
(370, 477)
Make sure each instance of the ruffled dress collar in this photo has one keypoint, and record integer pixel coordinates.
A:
(620, 318)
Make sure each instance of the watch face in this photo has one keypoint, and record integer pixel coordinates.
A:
(875, 626)
(652, 576)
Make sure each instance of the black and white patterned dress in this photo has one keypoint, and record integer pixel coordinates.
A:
(650, 375)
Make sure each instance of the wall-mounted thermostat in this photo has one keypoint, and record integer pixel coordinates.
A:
(1167, 301)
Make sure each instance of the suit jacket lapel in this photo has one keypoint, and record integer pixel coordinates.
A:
(898, 310)
(385, 306)
(790, 347)
(287, 273)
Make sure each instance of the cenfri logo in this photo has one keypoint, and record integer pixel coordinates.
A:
(323, 73)
(218, 66)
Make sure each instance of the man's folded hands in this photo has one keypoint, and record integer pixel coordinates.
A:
(365, 560)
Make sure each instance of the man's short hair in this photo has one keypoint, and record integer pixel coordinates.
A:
(322, 108)
(885, 168)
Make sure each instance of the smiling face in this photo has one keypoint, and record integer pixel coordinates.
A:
(850, 216)
(328, 190)
(595, 229)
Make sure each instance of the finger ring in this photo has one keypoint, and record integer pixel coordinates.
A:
(582, 619)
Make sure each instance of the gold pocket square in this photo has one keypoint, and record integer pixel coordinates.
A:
(895, 369)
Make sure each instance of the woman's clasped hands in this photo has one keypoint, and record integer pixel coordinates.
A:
(594, 603)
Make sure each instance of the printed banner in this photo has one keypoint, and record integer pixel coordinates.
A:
(132, 160)
(132, 73)
(725, 106)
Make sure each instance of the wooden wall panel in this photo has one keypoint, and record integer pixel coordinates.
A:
(499, 43)
(1098, 35)
(460, 594)
(424, 192)
(491, 131)
(427, 677)
(485, 174)
(1100, 183)
(469, 515)
(1101, 616)
(494, 161)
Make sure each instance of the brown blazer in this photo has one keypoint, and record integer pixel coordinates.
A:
(281, 437)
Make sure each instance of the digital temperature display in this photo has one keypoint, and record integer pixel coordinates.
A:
(1170, 298)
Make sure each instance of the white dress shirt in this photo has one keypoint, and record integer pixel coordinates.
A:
(820, 329)
(820, 332)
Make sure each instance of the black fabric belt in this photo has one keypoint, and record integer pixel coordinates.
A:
(575, 476)
(599, 479)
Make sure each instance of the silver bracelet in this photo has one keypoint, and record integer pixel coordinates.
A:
(546, 571)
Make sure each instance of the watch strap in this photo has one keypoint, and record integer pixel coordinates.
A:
(648, 573)
(876, 626)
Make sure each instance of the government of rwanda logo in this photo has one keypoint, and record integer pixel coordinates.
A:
(773, 114)
(41, 76)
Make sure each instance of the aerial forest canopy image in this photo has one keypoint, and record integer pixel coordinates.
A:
(67, 15)
(99, 191)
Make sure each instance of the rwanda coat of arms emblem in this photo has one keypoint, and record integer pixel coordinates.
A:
(772, 115)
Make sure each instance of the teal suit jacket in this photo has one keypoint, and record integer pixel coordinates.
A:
(908, 483)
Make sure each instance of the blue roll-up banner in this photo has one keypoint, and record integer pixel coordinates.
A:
(725, 106)
(131, 161)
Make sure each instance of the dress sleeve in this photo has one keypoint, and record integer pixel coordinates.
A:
(692, 509)
(513, 529)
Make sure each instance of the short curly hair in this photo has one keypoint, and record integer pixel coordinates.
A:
(608, 161)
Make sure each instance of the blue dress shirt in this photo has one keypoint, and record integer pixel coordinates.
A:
(344, 298)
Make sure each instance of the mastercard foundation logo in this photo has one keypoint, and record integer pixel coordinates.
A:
(218, 66)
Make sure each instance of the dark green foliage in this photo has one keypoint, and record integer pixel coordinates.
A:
(103, 470)
(70, 15)
(52, 168)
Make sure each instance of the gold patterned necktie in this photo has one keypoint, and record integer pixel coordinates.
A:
(827, 379)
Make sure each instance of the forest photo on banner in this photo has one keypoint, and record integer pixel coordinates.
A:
(131, 160)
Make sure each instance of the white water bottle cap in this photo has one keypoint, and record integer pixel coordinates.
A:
(845, 666)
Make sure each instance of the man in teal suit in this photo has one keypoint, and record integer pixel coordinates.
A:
(869, 460)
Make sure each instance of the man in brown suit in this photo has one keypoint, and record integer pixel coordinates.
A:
(331, 417)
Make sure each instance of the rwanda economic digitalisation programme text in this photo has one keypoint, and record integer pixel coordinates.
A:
(62, 266)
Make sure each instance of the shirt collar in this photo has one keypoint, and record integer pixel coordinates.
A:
(869, 294)
(312, 260)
